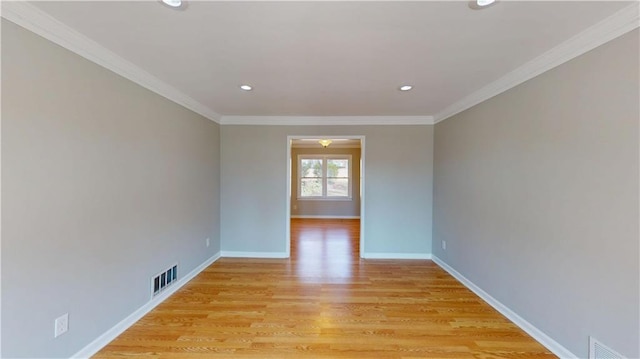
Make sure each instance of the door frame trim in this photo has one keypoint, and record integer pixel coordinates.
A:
(290, 138)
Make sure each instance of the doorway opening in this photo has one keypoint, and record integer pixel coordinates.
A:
(325, 187)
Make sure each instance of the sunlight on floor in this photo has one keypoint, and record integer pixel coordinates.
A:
(325, 254)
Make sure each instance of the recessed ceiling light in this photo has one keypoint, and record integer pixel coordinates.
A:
(406, 87)
(485, 2)
(246, 87)
(481, 4)
(172, 3)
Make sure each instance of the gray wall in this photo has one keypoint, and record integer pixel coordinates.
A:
(398, 176)
(337, 208)
(104, 184)
(536, 194)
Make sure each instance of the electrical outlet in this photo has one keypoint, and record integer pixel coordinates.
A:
(295, 207)
(444, 245)
(208, 241)
(61, 325)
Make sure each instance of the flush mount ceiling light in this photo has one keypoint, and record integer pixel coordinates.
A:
(172, 3)
(246, 87)
(325, 143)
(481, 4)
(405, 87)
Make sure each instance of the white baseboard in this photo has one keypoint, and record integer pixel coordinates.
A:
(536, 333)
(326, 217)
(376, 255)
(234, 254)
(123, 325)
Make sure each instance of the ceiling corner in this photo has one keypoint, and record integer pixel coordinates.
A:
(35, 20)
(616, 25)
(326, 120)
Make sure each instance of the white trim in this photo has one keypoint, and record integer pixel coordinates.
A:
(324, 199)
(326, 217)
(39, 22)
(238, 254)
(333, 145)
(606, 30)
(100, 342)
(362, 187)
(379, 255)
(33, 19)
(1, 221)
(326, 120)
(289, 194)
(536, 333)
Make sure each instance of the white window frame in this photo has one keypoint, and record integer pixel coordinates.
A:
(324, 159)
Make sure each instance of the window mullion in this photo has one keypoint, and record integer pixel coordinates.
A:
(324, 177)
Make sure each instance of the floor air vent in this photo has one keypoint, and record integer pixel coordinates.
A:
(161, 281)
(598, 350)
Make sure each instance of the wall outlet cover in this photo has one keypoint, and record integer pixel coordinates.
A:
(61, 325)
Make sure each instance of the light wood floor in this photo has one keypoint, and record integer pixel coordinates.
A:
(324, 302)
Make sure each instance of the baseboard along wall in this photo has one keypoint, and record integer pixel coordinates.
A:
(378, 255)
(100, 342)
(235, 254)
(127, 322)
(529, 328)
(326, 217)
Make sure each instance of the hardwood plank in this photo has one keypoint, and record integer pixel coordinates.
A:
(324, 302)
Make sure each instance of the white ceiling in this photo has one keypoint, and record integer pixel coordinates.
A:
(328, 58)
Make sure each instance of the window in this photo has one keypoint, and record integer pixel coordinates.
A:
(324, 177)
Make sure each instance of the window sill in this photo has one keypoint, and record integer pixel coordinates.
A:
(332, 199)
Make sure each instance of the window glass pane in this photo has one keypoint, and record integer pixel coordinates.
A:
(337, 168)
(311, 167)
(337, 187)
(311, 187)
(316, 172)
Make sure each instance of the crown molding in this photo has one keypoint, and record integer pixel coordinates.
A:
(316, 146)
(39, 22)
(604, 31)
(326, 120)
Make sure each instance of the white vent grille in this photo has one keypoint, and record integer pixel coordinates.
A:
(598, 350)
(165, 278)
